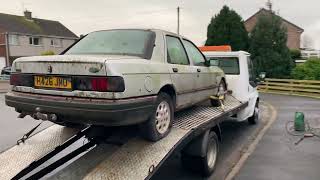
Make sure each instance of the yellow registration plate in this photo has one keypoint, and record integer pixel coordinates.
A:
(52, 82)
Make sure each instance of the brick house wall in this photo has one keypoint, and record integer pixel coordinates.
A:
(293, 32)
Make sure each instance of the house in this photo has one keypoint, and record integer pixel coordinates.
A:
(293, 31)
(28, 36)
(307, 53)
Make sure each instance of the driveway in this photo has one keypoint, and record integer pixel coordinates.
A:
(276, 156)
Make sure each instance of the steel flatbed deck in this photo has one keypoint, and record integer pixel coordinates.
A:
(121, 155)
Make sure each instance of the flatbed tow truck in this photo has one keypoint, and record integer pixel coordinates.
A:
(116, 153)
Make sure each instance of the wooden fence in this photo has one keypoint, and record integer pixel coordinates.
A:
(291, 87)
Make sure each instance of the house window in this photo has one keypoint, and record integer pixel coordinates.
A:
(56, 42)
(36, 41)
(13, 39)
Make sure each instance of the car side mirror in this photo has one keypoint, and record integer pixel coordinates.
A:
(254, 83)
(258, 81)
(212, 62)
(262, 76)
(207, 63)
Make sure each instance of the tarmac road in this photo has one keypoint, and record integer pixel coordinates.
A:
(13, 128)
(276, 156)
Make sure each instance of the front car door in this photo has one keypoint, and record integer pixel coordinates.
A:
(252, 89)
(180, 72)
(205, 79)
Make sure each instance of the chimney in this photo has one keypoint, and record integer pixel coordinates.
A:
(269, 5)
(28, 14)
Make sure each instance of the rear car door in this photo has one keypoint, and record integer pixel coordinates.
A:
(180, 72)
(203, 75)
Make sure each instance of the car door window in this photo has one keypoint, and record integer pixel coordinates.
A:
(193, 52)
(176, 52)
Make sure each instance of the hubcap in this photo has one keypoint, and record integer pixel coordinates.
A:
(212, 153)
(163, 117)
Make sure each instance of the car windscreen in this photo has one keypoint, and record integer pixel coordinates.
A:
(116, 42)
(230, 65)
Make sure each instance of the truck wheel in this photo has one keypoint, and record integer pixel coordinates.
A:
(255, 117)
(207, 164)
(159, 124)
(221, 90)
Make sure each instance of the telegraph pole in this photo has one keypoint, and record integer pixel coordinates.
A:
(178, 25)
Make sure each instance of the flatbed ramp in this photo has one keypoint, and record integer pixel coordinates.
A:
(127, 157)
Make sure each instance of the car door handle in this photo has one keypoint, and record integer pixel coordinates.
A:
(175, 70)
(198, 70)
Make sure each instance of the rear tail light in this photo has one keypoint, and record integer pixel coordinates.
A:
(100, 84)
(17, 79)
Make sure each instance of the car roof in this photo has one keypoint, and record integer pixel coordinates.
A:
(146, 29)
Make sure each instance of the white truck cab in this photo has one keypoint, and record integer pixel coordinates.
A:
(241, 80)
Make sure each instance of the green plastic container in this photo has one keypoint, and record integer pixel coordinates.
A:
(299, 124)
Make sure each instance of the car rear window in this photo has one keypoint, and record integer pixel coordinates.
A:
(230, 65)
(116, 42)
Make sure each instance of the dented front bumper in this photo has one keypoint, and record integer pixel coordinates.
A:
(106, 112)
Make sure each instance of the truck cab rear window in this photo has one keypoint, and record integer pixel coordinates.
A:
(230, 65)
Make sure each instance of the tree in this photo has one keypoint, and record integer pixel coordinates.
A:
(295, 54)
(47, 53)
(310, 70)
(268, 48)
(227, 28)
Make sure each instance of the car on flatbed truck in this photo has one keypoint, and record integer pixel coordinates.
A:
(116, 78)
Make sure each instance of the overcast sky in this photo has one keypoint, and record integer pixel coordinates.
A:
(85, 16)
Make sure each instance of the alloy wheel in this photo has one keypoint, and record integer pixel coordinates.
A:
(163, 117)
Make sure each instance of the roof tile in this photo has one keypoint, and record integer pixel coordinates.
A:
(19, 24)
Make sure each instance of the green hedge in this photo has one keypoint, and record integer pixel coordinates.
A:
(310, 70)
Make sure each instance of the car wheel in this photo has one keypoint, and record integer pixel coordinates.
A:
(159, 124)
(255, 117)
(207, 164)
(221, 91)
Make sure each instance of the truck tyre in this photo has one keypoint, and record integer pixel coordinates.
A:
(221, 89)
(255, 117)
(207, 164)
(160, 122)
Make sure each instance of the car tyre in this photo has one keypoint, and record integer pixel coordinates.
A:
(207, 164)
(255, 117)
(159, 124)
(221, 89)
